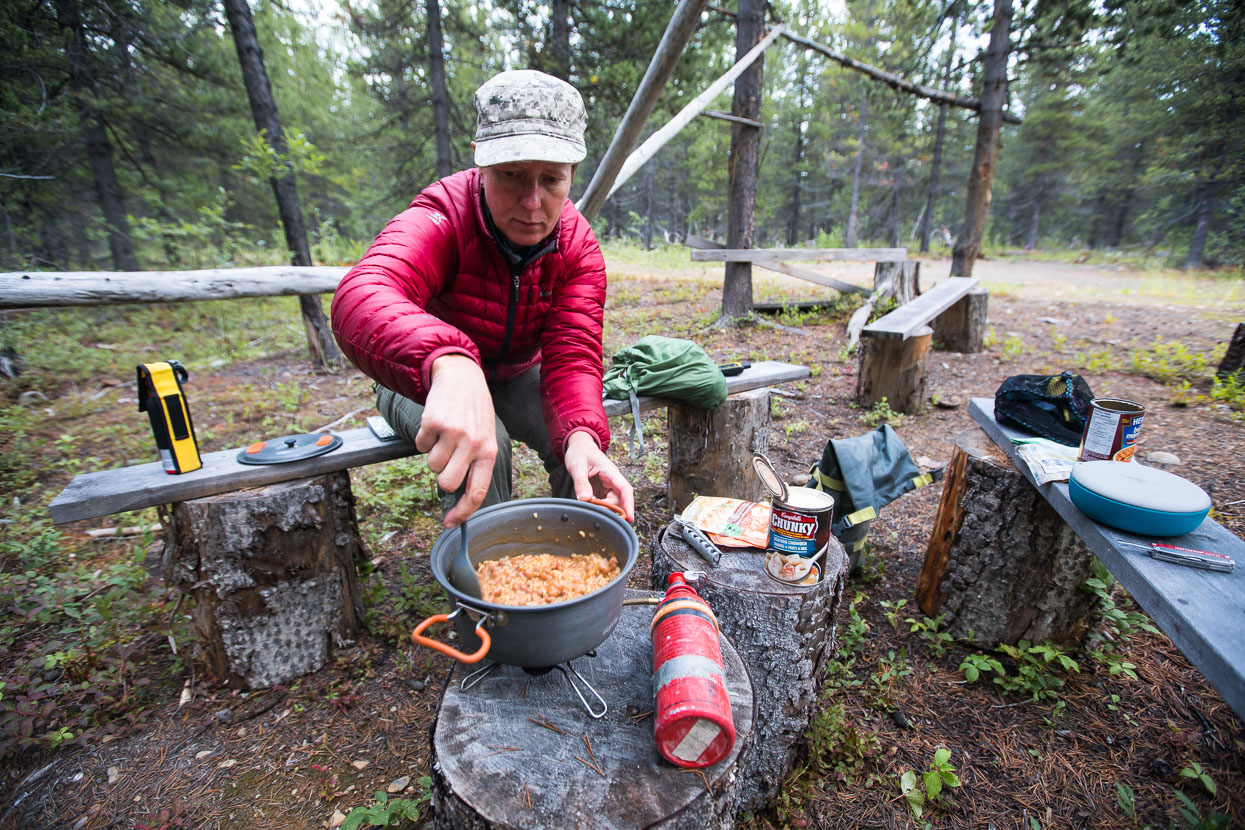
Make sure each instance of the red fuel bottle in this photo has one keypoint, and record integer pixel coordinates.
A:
(693, 726)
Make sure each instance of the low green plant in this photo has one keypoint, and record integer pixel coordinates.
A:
(1119, 624)
(857, 627)
(1097, 361)
(918, 792)
(928, 629)
(990, 338)
(881, 413)
(390, 812)
(974, 665)
(1168, 361)
(1192, 818)
(1126, 799)
(839, 748)
(1013, 347)
(892, 671)
(1230, 389)
(892, 610)
(1057, 338)
(1195, 772)
(1035, 669)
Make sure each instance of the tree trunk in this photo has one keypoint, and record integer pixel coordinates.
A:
(621, 780)
(892, 215)
(711, 449)
(1034, 218)
(648, 202)
(1002, 565)
(98, 147)
(1206, 197)
(1234, 358)
(560, 39)
(793, 220)
(853, 214)
(272, 571)
(981, 177)
(927, 219)
(894, 370)
(744, 163)
(264, 110)
(785, 635)
(440, 97)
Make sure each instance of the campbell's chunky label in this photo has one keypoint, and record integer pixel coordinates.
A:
(801, 525)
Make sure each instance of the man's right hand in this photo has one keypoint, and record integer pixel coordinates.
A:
(458, 432)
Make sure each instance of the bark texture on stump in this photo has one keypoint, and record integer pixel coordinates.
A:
(1234, 357)
(895, 370)
(272, 571)
(784, 633)
(700, 466)
(899, 280)
(542, 784)
(962, 328)
(1001, 564)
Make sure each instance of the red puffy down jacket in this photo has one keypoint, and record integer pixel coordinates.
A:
(434, 282)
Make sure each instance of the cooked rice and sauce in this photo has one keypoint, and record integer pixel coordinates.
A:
(544, 578)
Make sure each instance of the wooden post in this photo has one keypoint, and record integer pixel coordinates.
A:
(895, 370)
(962, 327)
(1001, 563)
(710, 449)
(785, 634)
(901, 280)
(273, 576)
(496, 766)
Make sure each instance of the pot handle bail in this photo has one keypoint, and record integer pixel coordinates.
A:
(607, 505)
(486, 641)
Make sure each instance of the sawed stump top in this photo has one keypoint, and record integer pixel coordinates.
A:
(513, 772)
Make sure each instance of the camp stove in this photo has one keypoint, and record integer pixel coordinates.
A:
(566, 669)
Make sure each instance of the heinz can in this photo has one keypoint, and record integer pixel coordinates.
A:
(1111, 430)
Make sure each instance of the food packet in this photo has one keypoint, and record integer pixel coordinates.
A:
(730, 522)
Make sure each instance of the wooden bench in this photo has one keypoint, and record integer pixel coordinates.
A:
(1203, 612)
(269, 551)
(894, 347)
(775, 259)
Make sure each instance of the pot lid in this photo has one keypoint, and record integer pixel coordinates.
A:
(769, 477)
(289, 448)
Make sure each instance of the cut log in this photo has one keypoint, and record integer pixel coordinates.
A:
(699, 465)
(962, 327)
(784, 633)
(1234, 357)
(1002, 565)
(495, 766)
(272, 572)
(898, 279)
(894, 370)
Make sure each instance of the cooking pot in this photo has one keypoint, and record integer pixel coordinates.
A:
(535, 636)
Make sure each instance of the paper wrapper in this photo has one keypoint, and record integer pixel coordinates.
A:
(729, 522)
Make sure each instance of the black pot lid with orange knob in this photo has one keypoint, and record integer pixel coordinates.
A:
(289, 448)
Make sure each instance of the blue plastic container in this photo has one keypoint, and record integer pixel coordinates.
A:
(1144, 500)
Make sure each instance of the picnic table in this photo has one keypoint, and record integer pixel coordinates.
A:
(1203, 612)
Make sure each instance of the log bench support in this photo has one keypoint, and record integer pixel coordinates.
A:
(894, 347)
(269, 551)
(1001, 564)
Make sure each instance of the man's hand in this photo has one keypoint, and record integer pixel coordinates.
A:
(458, 432)
(585, 461)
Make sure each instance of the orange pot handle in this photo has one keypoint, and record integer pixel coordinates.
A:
(485, 640)
(607, 505)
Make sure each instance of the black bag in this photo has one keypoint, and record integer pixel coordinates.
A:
(1052, 406)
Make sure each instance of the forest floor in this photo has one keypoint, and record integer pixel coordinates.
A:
(1105, 751)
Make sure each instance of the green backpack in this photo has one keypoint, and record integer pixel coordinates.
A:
(663, 367)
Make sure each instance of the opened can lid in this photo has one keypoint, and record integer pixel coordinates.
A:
(769, 477)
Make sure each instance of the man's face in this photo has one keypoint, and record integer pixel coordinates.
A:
(526, 197)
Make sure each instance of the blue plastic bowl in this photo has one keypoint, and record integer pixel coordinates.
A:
(1147, 521)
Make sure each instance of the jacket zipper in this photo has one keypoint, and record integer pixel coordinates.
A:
(512, 310)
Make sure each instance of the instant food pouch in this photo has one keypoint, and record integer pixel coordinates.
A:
(730, 522)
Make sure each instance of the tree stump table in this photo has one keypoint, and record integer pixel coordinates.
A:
(1002, 565)
(520, 750)
(272, 571)
(784, 633)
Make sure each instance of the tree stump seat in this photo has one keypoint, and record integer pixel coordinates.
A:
(496, 766)
(894, 348)
(784, 633)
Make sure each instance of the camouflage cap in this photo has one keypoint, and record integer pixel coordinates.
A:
(525, 115)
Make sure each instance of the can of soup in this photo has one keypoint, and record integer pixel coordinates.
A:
(1111, 430)
(799, 527)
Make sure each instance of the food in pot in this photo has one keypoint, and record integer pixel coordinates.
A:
(544, 578)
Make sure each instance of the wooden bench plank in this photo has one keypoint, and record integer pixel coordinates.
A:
(759, 255)
(103, 493)
(903, 321)
(703, 244)
(1203, 612)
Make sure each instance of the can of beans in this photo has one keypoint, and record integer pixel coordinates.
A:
(1111, 430)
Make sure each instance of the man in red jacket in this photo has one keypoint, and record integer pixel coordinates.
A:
(478, 310)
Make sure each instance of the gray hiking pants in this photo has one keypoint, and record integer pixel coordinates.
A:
(519, 416)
